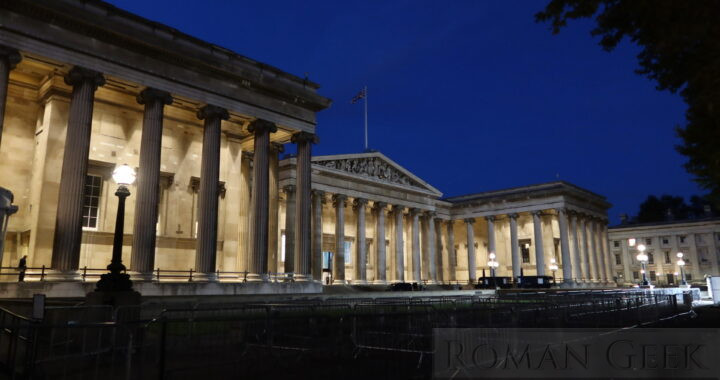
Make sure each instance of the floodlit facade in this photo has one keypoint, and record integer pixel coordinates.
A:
(698, 241)
(90, 87)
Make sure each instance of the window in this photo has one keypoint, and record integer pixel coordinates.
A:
(282, 247)
(93, 185)
(525, 250)
(616, 243)
(651, 258)
(670, 278)
(636, 275)
(665, 240)
(653, 277)
(682, 239)
(648, 241)
(557, 250)
(348, 252)
(667, 257)
(618, 260)
(688, 276)
(326, 260)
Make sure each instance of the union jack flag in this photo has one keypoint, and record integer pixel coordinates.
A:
(360, 95)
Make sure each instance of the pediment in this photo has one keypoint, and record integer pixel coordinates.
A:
(374, 166)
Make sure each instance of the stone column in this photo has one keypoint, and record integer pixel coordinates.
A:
(146, 203)
(9, 58)
(604, 259)
(576, 257)
(380, 266)
(258, 260)
(399, 244)
(514, 247)
(592, 245)
(431, 247)
(567, 262)
(274, 207)
(359, 205)
(68, 226)
(338, 275)
(244, 218)
(415, 214)
(609, 257)
(585, 250)
(452, 254)
(539, 251)
(289, 191)
(600, 269)
(472, 265)
(317, 238)
(491, 233)
(206, 249)
(304, 141)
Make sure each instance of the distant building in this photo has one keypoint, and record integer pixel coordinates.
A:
(698, 240)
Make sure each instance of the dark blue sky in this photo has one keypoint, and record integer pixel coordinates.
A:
(469, 95)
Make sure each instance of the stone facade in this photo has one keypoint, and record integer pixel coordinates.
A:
(698, 240)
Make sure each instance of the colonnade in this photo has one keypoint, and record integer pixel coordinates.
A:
(68, 230)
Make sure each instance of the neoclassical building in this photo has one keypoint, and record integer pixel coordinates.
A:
(86, 87)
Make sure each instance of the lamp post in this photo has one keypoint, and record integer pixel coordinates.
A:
(492, 264)
(553, 267)
(117, 280)
(681, 264)
(642, 258)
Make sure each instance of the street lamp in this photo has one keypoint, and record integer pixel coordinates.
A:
(492, 264)
(643, 258)
(553, 267)
(681, 264)
(117, 280)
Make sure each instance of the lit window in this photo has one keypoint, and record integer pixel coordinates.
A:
(348, 252)
(93, 185)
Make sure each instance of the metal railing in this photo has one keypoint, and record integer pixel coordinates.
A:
(382, 337)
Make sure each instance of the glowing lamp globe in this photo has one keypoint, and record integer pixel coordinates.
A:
(492, 256)
(679, 255)
(681, 262)
(641, 247)
(124, 175)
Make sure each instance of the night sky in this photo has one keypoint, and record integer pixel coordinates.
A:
(470, 96)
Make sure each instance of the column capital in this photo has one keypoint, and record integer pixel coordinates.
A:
(398, 208)
(289, 189)
(490, 218)
(537, 212)
(513, 215)
(339, 200)
(469, 220)
(150, 95)
(305, 137)
(359, 202)
(78, 75)
(561, 210)
(277, 147)
(414, 211)
(247, 155)
(12, 56)
(210, 112)
(430, 214)
(320, 194)
(379, 205)
(259, 125)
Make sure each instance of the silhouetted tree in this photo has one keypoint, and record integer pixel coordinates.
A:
(668, 207)
(680, 43)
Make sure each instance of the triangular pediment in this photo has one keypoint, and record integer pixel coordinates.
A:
(374, 166)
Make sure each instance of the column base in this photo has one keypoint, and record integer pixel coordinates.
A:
(302, 278)
(359, 282)
(141, 276)
(339, 282)
(58, 275)
(379, 282)
(205, 277)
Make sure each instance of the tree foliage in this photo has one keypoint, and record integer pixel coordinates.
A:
(680, 41)
(668, 207)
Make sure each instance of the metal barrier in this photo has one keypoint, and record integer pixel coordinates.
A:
(373, 337)
(93, 274)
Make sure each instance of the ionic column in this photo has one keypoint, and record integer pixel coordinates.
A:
(260, 203)
(578, 270)
(585, 250)
(565, 246)
(68, 226)
(472, 266)
(274, 207)
(491, 233)
(399, 244)
(304, 141)
(431, 247)
(452, 254)
(289, 191)
(514, 246)
(206, 250)
(359, 205)
(148, 179)
(9, 58)
(609, 259)
(539, 251)
(317, 238)
(380, 265)
(339, 202)
(415, 214)
(598, 272)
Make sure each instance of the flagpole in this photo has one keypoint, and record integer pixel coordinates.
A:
(366, 131)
